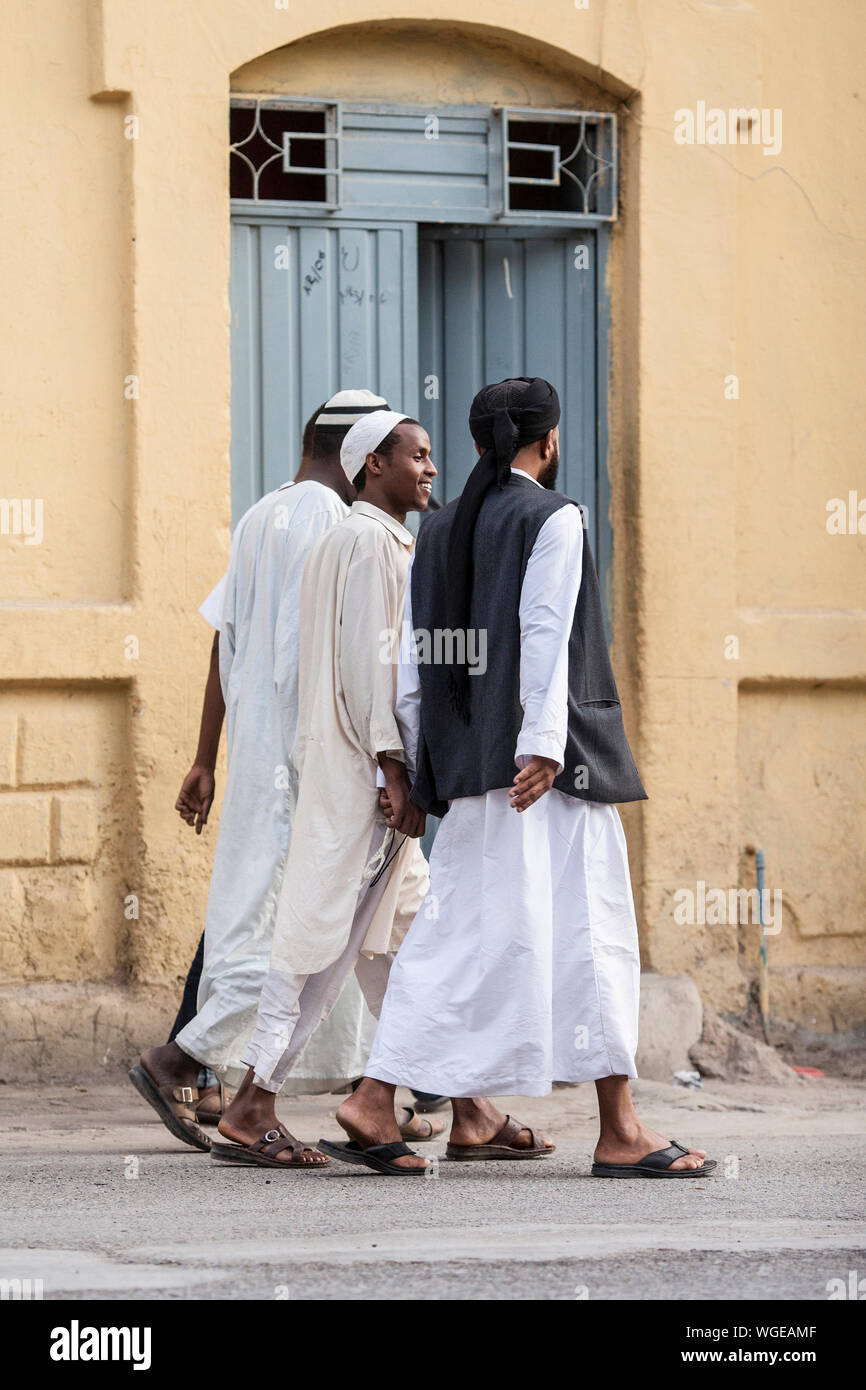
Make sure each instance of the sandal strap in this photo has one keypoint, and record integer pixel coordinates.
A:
(507, 1133)
(389, 1151)
(418, 1126)
(664, 1158)
(276, 1141)
(182, 1099)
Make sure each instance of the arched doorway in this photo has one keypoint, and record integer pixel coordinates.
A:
(419, 250)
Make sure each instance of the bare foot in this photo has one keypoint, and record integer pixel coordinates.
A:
(169, 1065)
(251, 1115)
(476, 1121)
(369, 1123)
(635, 1141)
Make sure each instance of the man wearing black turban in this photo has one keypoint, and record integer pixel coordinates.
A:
(522, 967)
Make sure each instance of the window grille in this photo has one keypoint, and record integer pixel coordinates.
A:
(559, 164)
(285, 151)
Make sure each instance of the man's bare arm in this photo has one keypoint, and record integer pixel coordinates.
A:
(399, 811)
(197, 792)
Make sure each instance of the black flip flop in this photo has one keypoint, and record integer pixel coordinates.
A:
(655, 1165)
(377, 1156)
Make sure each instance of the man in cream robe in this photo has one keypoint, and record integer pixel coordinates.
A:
(352, 885)
(353, 595)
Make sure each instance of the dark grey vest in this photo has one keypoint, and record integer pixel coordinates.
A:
(456, 759)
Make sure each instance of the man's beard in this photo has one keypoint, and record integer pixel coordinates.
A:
(547, 477)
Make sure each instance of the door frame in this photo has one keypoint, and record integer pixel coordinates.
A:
(504, 227)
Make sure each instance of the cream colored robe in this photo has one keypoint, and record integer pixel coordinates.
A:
(352, 597)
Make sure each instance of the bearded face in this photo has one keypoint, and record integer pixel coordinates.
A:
(547, 477)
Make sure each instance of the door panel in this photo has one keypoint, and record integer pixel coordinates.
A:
(496, 303)
(316, 308)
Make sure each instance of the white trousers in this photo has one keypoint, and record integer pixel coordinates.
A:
(291, 1007)
(219, 1034)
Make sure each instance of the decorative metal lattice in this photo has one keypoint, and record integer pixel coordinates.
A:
(285, 151)
(559, 164)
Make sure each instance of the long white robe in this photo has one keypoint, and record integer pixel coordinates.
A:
(352, 598)
(521, 967)
(258, 620)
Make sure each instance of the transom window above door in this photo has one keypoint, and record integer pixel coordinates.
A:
(285, 151)
(463, 164)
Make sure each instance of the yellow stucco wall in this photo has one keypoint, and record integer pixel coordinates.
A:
(114, 265)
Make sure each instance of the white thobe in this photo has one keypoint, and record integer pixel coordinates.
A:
(521, 968)
(255, 606)
(212, 608)
(351, 886)
(351, 611)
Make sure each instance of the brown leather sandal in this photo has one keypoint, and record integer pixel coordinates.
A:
(502, 1145)
(213, 1102)
(418, 1128)
(264, 1152)
(175, 1106)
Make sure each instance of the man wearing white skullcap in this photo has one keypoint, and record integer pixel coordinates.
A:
(365, 437)
(347, 407)
(352, 882)
(255, 609)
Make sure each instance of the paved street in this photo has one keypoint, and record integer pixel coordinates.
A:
(100, 1202)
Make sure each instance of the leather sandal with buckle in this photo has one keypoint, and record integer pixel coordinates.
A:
(175, 1106)
(213, 1102)
(264, 1152)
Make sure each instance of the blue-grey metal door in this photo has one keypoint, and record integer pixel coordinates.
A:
(316, 308)
(497, 302)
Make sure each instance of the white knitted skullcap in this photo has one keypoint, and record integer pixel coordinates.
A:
(365, 437)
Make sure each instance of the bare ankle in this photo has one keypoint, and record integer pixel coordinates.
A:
(623, 1129)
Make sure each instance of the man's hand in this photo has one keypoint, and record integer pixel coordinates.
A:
(196, 796)
(532, 782)
(400, 813)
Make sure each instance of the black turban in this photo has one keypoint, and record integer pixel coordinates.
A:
(503, 419)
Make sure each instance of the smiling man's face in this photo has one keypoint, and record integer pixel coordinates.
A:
(407, 473)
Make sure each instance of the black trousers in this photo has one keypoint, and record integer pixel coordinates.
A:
(188, 1010)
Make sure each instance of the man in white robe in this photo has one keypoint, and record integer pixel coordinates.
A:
(258, 654)
(340, 1047)
(527, 970)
